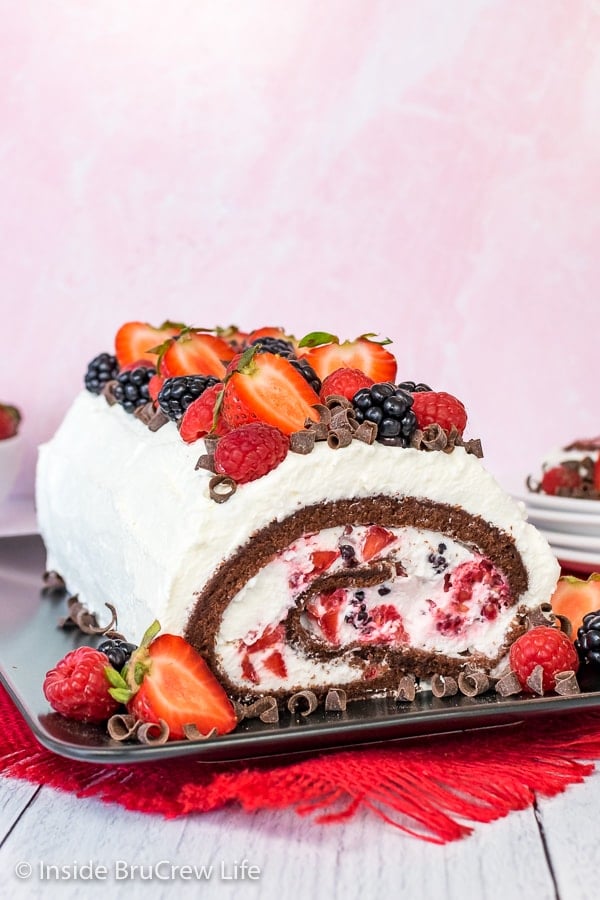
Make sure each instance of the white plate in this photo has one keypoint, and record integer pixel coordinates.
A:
(585, 543)
(561, 504)
(572, 523)
(579, 560)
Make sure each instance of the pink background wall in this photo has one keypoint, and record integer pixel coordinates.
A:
(429, 171)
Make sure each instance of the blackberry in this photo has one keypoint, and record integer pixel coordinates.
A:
(307, 372)
(102, 368)
(390, 408)
(275, 345)
(177, 393)
(588, 639)
(117, 651)
(413, 388)
(131, 389)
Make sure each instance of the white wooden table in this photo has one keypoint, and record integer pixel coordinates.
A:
(51, 842)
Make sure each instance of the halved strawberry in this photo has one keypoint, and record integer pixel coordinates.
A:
(169, 680)
(375, 540)
(195, 353)
(267, 388)
(574, 598)
(199, 419)
(325, 354)
(233, 335)
(268, 331)
(135, 340)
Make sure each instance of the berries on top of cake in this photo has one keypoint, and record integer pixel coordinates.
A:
(573, 471)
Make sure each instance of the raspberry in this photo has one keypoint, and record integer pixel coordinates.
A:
(198, 419)
(546, 647)
(439, 407)
(77, 687)
(560, 477)
(250, 451)
(344, 382)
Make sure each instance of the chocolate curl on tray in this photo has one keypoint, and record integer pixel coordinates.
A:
(443, 686)
(508, 684)
(193, 733)
(335, 700)
(79, 616)
(265, 709)
(566, 684)
(122, 726)
(153, 733)
(53, 583)
(407, 689)
(301, 698)
(471, 684)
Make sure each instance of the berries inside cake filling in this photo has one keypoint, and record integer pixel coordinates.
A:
(373, 592)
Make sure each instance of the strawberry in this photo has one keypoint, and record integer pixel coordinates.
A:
(78, 686)
(269, 331)
(325, 354)
(167, 679)
(325, 610)
(574, 598)
(386, 625)
(597, 473)
(234, 336)
(267, 388)
(271, 635)
(248, 670)
(546, 647)
(10, 419)
(560, 477)
(194, 352)
(375, 540)
(344, 383)
(439, 407)
(200, 418)
(135, 341)
(322, 560)
(276, 664)
(250, 451)
(154, 386)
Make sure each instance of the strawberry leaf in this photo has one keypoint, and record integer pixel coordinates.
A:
(316, 338)
(369, 337)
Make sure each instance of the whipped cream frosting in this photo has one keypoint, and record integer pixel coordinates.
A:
(128, 520)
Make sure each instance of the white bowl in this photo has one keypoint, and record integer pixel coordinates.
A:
(11, 454)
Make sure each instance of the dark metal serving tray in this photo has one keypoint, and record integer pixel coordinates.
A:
(31, 643)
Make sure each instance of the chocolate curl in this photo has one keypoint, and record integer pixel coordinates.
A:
(342, 418)
(323, 412)
(435, 438)
(300, 697)
(265, 709)
(566, 684)
(541, 615)
(206, 461)
(589, 444)
(335, 700)
(407, 689)
(53, 583)
(508, 684)
(473, 683)
(122, 726)
(145, 413)
(443, 686)
(319, 429)
(536, 681)
(565, 624)
(416, 439)
(221, 488)
(302, 442)
(533, 485)
(147, 733)
(334, 401)
(158, 420)
(192, 733)
(472, 446)
(108, 392)
(339, 438)
(82, 618)
(366, 432)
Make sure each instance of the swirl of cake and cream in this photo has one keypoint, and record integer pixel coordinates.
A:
(253, 583)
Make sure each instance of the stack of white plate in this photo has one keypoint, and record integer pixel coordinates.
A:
(572, 528)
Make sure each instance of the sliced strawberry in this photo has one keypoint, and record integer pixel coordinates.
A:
(325, 354)
(574, 598)
(135, 340)
(275, 663)
(199, 419)
(268, 331)
(248, 670)
(597, 473)
(271, 636)
(178, 687)
(375, 540)
(234, 336)
(325, 610)
(386, 626)
(267, 388)
(322, 560)
(196, 353)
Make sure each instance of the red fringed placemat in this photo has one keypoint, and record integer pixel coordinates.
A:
(431, 788)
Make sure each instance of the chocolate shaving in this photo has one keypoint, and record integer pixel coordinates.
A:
(566, 683)
(565, 624)
(508, 684)
(221, 488)
(366, 432)
(319, 429)
(323, 412)
(473, 447)
(588, 444)
(206, 461)
(536, 681)
(302, 442)
(335, 700)
(416, 439)
(210, 442)
(122, 726)
(473, 683)
(334, 401)
(339, 438)
(407, 688)
(79, 616)
(108, 392)
(145, 413)
(265, 709)
(152, 733)
(158, 420)
(299, 698)
(541, 615)
(193, 733)
(341, 418)
(53, 583)
(434, 438)
(443, 686)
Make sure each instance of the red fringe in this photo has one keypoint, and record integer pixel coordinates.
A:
(431, 788)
